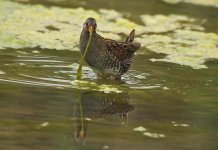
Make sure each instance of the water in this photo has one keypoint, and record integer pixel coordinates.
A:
(40, 107)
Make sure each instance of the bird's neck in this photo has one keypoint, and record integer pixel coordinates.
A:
(84, 39)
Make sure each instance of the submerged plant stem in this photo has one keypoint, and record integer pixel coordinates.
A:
(79, 70)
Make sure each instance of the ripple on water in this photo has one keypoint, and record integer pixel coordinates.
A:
(47, 79)
(42, 70)
(89, 83)
(28, 82)
(41, 60)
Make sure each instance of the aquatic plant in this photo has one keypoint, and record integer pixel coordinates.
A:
(181, 38)
(79, 70)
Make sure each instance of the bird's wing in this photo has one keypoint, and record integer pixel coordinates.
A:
(122, 50)
(122, 46)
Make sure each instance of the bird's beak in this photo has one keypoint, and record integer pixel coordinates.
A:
(91, 29)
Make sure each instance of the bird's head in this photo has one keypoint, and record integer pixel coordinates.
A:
(90, 25)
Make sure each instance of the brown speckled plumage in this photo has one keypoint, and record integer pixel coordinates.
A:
(108, 58)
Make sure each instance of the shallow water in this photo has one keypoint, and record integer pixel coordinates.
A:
(175, 105)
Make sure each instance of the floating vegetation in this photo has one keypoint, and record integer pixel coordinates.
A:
(175, 124)
(164, 23)
(89, 85)
(154, 135)
(165, 88)
(184, 47)
(48, 28)
(213, 3)
(148, 134)
(183, 41)
(181, 38)
(145, 87)
(140, 129)
(1, 72)
(44, 124)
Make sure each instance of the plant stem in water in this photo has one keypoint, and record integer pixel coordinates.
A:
(79, 70)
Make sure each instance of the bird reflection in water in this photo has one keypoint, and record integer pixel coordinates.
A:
(94, 105)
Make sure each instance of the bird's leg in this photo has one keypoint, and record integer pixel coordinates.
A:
(124, 116)
(114, 77)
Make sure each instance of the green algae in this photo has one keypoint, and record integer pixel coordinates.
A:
(1, 72)
(181, 38)
(27, 26)
(184, 47)
(89, 85)
(167, 23)
(213, 3)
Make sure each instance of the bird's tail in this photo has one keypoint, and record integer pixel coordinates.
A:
(131, 36)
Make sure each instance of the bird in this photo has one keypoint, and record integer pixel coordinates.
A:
(109, 59)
